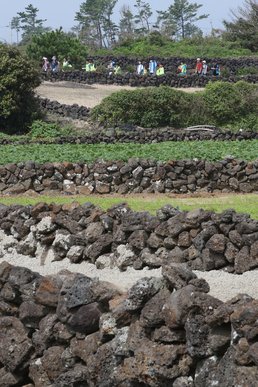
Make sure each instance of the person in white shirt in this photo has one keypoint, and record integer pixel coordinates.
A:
(140, 68)
(204, 68)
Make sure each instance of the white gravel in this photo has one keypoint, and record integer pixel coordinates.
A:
(223, 285)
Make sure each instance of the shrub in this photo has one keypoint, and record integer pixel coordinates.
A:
(18, 78)
(227, 103)
(41, 129)
(248, 70)
(222, 104)
(150, 107)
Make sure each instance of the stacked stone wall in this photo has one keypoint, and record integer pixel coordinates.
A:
(132, 176)
(71, 330)
(121, 237)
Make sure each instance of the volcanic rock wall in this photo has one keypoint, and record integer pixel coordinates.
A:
(132, 176)
(121, 237)
(132, 79)
(70, 330)
(171, 79)
(72, 111)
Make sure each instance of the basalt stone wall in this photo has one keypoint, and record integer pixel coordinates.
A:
(121, 237)
(71, 330)
(72, 111)
(132, 176)
(128, 133)
(132, 79)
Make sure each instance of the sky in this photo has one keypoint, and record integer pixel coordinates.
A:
(62, 12)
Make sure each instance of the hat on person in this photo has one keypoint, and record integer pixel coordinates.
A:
(204, 61)
(198, 59)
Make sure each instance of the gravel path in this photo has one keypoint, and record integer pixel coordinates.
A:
(86, 95)
(223, 285)
(70, 93)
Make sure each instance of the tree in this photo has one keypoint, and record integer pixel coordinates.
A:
(126, 25)
(15, 25)
(180, 18)
(29, 23)
(18, 79)
(94, 17)
(244, 26)
(142, 18)
(58, 43)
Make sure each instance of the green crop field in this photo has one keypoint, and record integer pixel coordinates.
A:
(205, 150)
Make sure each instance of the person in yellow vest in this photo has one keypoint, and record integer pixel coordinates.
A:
(117, 69)
(92, 67)
(89, 67)
(160, 70)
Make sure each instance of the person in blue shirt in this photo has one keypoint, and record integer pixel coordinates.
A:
(182, 69)
(54, 65)
(152, 67)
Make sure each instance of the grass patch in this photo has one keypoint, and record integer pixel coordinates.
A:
(246, 203)
(204, 150)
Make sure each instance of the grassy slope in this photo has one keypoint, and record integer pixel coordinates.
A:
(205, 150)
(241, 203)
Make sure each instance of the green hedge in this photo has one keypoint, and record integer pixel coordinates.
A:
(222, 104)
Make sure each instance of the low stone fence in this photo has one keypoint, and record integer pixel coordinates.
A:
(132, 176)
(121, 237)
(71, 330)
(134, 80)
(72, 111)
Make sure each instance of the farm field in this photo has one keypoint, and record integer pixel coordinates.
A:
(204, 150)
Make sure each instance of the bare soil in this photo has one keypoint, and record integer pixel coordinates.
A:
(70, 93)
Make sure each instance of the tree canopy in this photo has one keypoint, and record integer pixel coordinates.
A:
(178, 21)
(57, 43)
(95, 21)
(244, 25)
(28, 22)
(18, 78)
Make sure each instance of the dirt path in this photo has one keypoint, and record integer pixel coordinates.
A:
(86, 95)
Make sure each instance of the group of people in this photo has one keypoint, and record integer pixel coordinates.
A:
(202, 68)
(153, 68)
(54, 64)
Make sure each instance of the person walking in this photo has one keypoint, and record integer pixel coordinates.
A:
(46, 64)
(198, 67)
(160, 70)
(140, 68)
(117, 69)
(182, 69)
(54, 65)
(152, 67)
(204, 68)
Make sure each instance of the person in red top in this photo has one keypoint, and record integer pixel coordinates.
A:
(198, 67)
